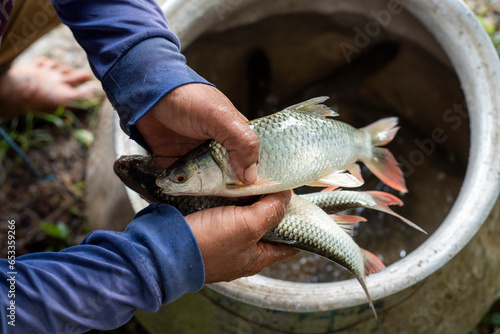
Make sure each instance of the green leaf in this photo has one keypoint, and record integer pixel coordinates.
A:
(59, 230)
(80, 185)
(57, 121)
(84, 137)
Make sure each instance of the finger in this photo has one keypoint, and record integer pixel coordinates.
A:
(230, 128)
(269, 254)
(243, 146)
(265, 214)
(89, 89)
(75, 77)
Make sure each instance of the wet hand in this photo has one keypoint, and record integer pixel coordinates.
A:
(229, 238)
(193, 113)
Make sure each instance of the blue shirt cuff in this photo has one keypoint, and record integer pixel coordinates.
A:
(164, 239)
(142, 76)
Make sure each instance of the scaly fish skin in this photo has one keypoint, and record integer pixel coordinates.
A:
(300, 145)
(309, 228)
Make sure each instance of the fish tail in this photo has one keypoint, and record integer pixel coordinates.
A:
(382, 131)
(372, 265)
(381, 161)
(383, 164)
(383, 200)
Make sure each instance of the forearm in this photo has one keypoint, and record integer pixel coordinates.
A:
(101, 282)
(131, 50)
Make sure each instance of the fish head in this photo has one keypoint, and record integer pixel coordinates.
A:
(131, 167)
(196, 173)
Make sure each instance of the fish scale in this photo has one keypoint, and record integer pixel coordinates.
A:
(309, 228)
(341, 200)
(304, 146)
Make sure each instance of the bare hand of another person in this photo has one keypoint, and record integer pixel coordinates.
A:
(229, 237)
(193, 113)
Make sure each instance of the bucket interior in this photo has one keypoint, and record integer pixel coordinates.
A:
(370, 70)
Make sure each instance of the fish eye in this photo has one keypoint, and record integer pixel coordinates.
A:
(180, 178)
(179, 175)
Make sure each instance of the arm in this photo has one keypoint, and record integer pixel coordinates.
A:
(131, 51)
(101, 282)
(138, 60)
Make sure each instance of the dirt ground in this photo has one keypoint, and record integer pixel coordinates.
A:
(50, 212)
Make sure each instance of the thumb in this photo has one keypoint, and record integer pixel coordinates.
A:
(266, 213)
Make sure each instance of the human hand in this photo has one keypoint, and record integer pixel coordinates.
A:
(229, 237)
(193, 113)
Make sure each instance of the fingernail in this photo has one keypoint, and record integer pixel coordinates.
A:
(250, 174)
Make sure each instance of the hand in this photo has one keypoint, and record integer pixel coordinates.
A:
(193, 113)
(229, 237)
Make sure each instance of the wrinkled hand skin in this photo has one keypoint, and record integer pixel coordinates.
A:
(193, 113)
(229, 237)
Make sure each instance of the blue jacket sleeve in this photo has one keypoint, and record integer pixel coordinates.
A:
(131, 50)
(101, 282)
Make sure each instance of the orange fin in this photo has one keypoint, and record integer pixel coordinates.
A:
(386, 168)
(382, 162)
(347, 222)
(328, 189)
(372, 263)
(383, 201)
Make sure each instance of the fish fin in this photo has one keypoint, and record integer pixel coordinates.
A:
(362, 282)
(382, 162)
(347, 222)
(382, 131)
(314, 106)
(275, 239)
(386, 168)
(356, 172)
(372, 263)
(383, 200)
(329, 189)
(238, 185)
(339, 179)
(318, 184)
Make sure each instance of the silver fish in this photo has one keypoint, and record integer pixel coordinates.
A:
(300, 145)
(307, 227)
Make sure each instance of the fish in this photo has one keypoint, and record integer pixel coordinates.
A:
(300, 145)
(306, 225)
(342, 200)
(139, 173)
